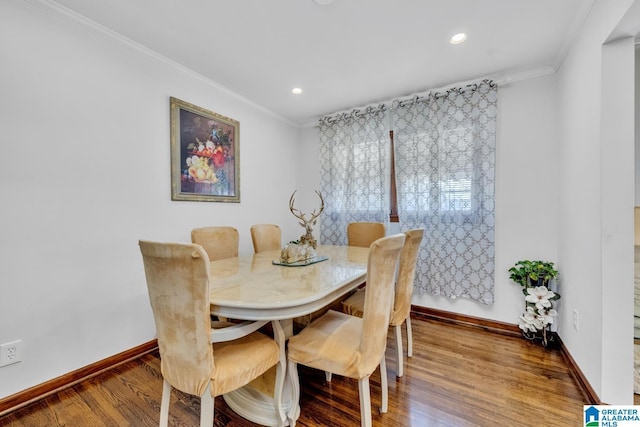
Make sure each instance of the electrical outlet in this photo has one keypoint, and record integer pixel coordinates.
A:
(575, 319)
(10, 352)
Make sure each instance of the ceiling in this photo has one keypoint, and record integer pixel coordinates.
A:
(346, 54)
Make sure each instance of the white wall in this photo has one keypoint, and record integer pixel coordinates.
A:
(84, 174)
(596, 228)
(617, 162)
(308, 171)
(637, 126)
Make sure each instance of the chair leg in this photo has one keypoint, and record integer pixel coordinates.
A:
(206, 408)
(365, 402)
(399, 353)
(164, 404)
(384, 385)
(409, 337)
(327, 376)
(294, 412)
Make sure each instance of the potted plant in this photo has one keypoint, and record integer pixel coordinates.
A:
(539, 314)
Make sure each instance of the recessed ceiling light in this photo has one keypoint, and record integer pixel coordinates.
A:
(296, 91)
(458, 38)
(323, 2)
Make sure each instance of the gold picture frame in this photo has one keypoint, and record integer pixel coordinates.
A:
(205, 154)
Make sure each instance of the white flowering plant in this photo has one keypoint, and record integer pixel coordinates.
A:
(539, 314)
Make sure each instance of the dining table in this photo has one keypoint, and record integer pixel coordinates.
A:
(258, 287)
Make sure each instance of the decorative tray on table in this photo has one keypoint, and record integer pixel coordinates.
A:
(302, 262)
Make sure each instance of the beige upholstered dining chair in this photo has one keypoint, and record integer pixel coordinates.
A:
(194, 358)
(352, 346)
(364, 233)
(266, 237)
(219, 242)
(354, 305)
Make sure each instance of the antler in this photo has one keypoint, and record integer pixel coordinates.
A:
(300, 215)
(315, 215)
(294, 210)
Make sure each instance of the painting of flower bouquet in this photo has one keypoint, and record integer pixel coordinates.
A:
(204, 155)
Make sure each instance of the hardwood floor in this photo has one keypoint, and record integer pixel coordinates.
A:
(458, 376)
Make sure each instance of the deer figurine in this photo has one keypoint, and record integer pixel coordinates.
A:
(308, 224)
(304, 248)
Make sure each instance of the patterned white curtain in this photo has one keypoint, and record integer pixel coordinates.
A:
(354, 171)
(445, 157)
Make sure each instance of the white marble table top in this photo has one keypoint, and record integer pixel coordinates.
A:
(252, 288)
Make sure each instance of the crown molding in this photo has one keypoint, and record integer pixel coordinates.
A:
(55, 8)
(578, 23)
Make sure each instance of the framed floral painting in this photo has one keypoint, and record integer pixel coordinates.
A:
(205, 156)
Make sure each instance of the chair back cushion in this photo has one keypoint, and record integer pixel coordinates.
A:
(218, 242)
(178, 284)
(381, 270)
(406, 276)
(363, 234)
(266, 237)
